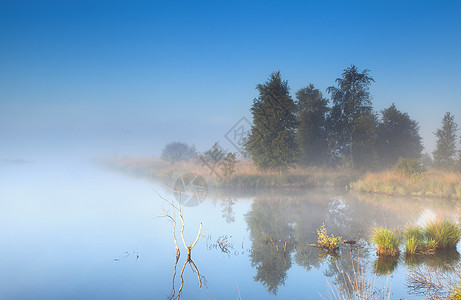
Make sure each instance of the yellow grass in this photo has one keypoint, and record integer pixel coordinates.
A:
(434, 183)
(246, 174)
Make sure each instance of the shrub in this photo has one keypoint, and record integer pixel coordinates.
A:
(324, 241)
(387, 241)
(409, 167)
(228, 164)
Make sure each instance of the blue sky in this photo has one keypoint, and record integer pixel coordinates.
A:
(127, 77)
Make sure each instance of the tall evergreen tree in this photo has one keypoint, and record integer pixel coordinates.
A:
(351, 121)
(272, 141)
(311, 133)
(397, 136)
(445, 151)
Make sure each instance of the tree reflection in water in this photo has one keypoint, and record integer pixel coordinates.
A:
(285, 225)
(227, 209)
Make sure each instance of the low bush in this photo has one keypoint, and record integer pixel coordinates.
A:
(327, 242)
(409, 167)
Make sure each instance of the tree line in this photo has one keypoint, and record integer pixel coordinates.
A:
(311, 132)
(342, 130)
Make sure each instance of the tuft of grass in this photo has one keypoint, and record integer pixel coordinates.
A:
(415, 240)
(445, 234)
(386, 241)
(411, 246)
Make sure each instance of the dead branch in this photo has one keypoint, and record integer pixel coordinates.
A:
(173, 219)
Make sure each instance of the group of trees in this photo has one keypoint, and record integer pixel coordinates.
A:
(310, 132)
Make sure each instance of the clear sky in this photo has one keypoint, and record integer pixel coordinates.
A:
(127, 77)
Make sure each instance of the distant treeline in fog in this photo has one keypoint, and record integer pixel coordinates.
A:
(342, 130)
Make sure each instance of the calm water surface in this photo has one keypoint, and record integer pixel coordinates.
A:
(76, 231)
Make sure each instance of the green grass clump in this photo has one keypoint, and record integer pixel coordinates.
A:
(436, 235)
(327, 242)
(386, 241)
(417, 241)
(445, 233)
(412, 245)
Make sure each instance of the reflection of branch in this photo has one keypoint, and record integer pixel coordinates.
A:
(196, 271)
(173, 292)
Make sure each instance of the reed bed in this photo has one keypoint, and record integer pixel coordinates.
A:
(433, 183)
(246, 176)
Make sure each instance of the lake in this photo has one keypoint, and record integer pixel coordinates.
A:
(72, 230)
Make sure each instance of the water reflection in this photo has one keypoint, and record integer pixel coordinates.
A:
(227, 209)
(282, 228)
(433, 283)
(443, 260)
(200, 278)
(271, 233)
(385, 265)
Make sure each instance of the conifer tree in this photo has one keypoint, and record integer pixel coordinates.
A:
(272, 141)
(445, 151)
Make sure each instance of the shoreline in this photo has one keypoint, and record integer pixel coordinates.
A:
(434, 184)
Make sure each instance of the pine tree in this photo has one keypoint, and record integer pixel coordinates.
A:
(272, 142)
(445, 151)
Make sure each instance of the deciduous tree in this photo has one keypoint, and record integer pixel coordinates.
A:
(178, 151)
(351, 118)
(397, 136)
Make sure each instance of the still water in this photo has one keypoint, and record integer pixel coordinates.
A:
(76, 231)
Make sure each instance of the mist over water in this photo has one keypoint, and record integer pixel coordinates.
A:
(71, 229)
(93, 92)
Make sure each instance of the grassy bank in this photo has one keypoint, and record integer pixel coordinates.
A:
(433, 183)
(245, 177)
